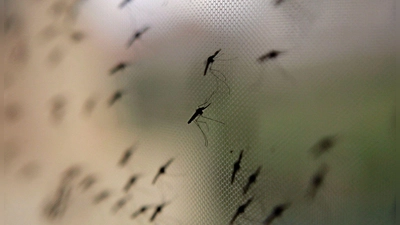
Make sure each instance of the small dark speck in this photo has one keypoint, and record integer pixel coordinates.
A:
(89, 105)
(19, 53)
(71, 173)
(58, 7)
(13, 112)
(55, 56)
(30, 170)
(48, 33)
(77, 36)
(58, 104)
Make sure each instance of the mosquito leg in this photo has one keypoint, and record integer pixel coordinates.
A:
(212, 119)
(204, 123)
(286, 75)
(222, 80)
(204, 135)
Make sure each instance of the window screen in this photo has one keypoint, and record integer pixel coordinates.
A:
(198, 112)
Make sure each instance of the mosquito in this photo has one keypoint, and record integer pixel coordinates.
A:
(162, 170)
(240, 210)
(132, 180)
(137, 35)
(210, 61)
(124, 3)
(140, 211)
(199, 113)
(120, 203)
(323, 145)
(252, 180)
(317, 180)
(158, 210)
(236, 166)
(273, 55)
(120, 66)
(101, 196)
(87, 182)
(126, 156)
(115, 97)
(277, 212)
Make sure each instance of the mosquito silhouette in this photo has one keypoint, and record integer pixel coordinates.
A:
(199, 113)
(140, 211)
(317, 180)
(240, 210)
(124, 3)
(158, 210)
(126, 156)
(162, 170)
(120, 66)
(323, 145)
(132, 180)
(115, 97)
(252, 180)
(210, 61)
(137, 36)
(271, 55)
(236, 166)
(277, 212)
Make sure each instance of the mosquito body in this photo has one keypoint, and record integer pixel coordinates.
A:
(277, 212)
(210, 61)
(140, 211)
(127, 155)
(162, 170)
(271, 55)
(131, 182)
(115, 97)
(317, 180)
(101, 196)
(236, 166)
(158, 210)
(87, 182)
(240, 211)
(120, 66)
(120, 203)
(199, 113)
(124, 3)
(252, 180)
(137, 36)
(323, 145)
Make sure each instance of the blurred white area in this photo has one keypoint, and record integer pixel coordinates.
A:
(340, 52)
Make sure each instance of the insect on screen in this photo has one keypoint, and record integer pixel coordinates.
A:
(196, 112)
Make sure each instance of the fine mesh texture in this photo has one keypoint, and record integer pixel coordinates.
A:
(334, 77)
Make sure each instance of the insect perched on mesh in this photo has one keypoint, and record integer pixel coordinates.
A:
(120, 66)
(317, 181)
(199, 114)
(209, 63)
(323, 145)
(236, 166)
(101, 196)
(240, 210)
(251, 180)
(277, 212)
(137, 35)
(140, 211)
(126, 156)
(162, 170)
(115, 97)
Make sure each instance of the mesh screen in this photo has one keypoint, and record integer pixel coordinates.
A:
(98, 95)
